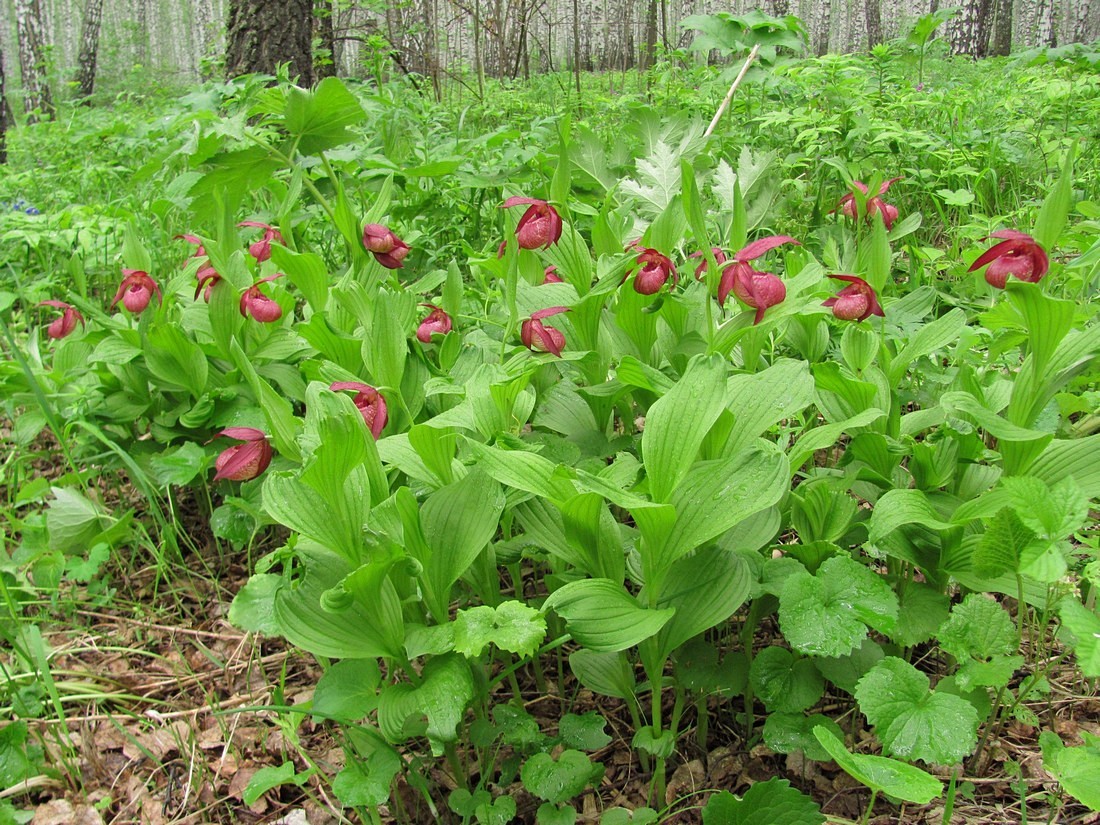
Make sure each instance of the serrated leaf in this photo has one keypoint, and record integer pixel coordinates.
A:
(912, 721)
(922, 609)
(978, 627)
(1001, 546)
(511, 626)
(658, 178)
(1085, 626)
(828, 614)
(367, 780)
(783, 682)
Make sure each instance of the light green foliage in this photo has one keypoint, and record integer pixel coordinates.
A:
(559, 780)
(771, 801)
(880, 773)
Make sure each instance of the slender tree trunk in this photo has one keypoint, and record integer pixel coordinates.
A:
(325, 66)
(36, 88)
(649, 55)
(873, 11)
(1044, 23)
(3, 114)
(819, 27)
(971, 28)
(264, 33)
(1081, 21)
(89, 49)
(1001, 42)
(478, 67)
(577, 49)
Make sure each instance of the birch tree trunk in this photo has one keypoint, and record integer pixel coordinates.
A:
(3, 115)
(873, 11)
(36, 89)
(968, 28)
(649, 54)
(89, 49)
(1001, 41)
(264, 33)
(1081, 21)
(1044, 23)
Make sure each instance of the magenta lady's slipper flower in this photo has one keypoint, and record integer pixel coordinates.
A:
(388, 249)
(369, 402)
(207, 278)
(243, 462)
(438, 322)
(550, 275)
(875, 205)
(1018, 254)
(258, 305)
(701, 270)
(856, 302)
(654, 271)
(539, 226)
(540, 338)
(200, 251)
(135, 291)
(760, 290)
(261, 249)
(66, 323)
(738, 276)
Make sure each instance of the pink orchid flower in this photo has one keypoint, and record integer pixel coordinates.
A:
(539, 226)
(856, 302)
(66, 322)
(701, 270)
(550, 275)
(388, 249)
(259, 306)
(261, 249)
(369, 402)
(242, 462)
(540, 338)
(1018, 254)
(135, 291)
(875, 205)
(438, 322)
(738, 277)
(653, 273)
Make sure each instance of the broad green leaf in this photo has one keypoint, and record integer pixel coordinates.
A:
(826, 436)
(511, 626)
(603, 617)
(760, 400)
(1052, 216)
(446, 687)
(713, 497)
(677, 423)
(1052, 512)
(585, 732)
(73, 520)
(845, 671)
(366, 777)
(458, 521)
(348, 690)
(900, 507)
(517, 727)
(922, 609)
(790, 732)
(319, 119)
(913, 722)
(1077, 769)
(175, 359)
(656, 743)
(523, 470)
(252, 609)
(1077, 458)
(307, 272)
(881, 773)
(608, 674)
(828, 614)
(1085, 627)
(593, 533)
(704, 590)
(370, 626)
(559, 780)
(769, 802)
(933, 336)
(278, 411)
(784, 682)
(1001, 547)
(270, 777)
(550, 814)
(978, 627)
(337, 523)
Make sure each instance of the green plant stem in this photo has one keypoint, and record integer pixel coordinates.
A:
(702, 722)
(657, 787)
(870, 807)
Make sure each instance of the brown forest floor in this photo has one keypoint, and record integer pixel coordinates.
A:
(177, 726)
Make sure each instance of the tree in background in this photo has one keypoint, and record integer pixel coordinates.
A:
(261, 34)
(89, 49)
(37, 99)
(3, 115)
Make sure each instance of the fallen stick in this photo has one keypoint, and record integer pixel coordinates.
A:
(733, 89)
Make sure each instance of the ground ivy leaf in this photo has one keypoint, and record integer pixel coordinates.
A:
(828, 614)
(912, 721)
(367, 781)
(789, 732)
(999, 549)
(978, 627)
(559, 781)
(348, 690)
(923, 609)
(511, 626)
(517, 727)
(784, 683)
(997, 672)
(584, 733)
(765, 803)
(845, 671)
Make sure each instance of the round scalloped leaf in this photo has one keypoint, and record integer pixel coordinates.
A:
(785, 683)
(765, 803)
